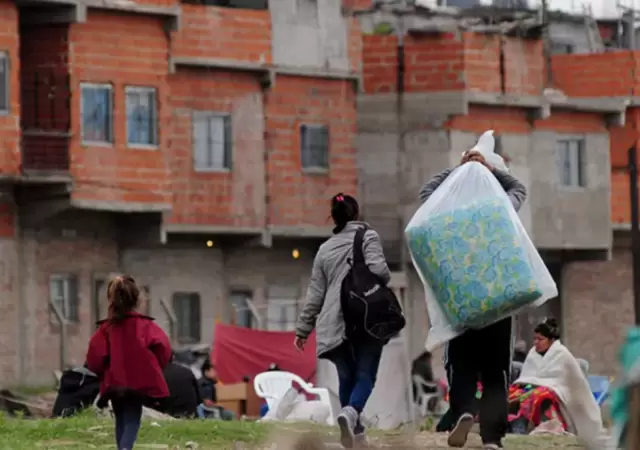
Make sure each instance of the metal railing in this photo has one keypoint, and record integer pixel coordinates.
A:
(173, 321)
(45, 120)
(62, 322)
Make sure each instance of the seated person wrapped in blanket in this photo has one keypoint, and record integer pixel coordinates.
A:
(552, 386)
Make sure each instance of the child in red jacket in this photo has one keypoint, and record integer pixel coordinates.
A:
(128, 352)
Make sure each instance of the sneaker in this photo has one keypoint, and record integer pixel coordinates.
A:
(492, 446)
(360, 440)
(459, 434)
(347, 420)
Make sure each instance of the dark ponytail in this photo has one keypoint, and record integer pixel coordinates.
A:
(344, 209)
(124, 296)
(549, 328)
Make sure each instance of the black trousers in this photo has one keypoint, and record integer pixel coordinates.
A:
(481, 355)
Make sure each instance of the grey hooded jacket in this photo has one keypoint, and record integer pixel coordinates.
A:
(322, 309)
(515, 190)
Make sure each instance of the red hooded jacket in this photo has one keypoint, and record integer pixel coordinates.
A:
(130, 354)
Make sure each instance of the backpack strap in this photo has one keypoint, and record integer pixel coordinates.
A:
(358, 244)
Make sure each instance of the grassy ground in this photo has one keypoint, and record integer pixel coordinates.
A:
(89, 431)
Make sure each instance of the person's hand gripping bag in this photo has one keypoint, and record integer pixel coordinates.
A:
(473, 255)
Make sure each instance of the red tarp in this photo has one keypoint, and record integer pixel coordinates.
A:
(239, 352)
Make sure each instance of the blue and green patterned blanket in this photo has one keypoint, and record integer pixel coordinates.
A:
(474, 262)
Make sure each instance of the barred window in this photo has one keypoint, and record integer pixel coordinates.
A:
(314, 146)
(142, 116)
(212, 141)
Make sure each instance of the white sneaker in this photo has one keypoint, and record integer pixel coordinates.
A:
(459, 434)
(347, 420)
(491, 447)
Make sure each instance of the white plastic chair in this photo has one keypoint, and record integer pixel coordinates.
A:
(599, 385)
(422, 397)
(273, 385)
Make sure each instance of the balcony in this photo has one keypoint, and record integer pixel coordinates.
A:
(45, 123)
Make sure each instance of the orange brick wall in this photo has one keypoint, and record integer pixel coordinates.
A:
(483, 118)
(524, 66)
(161, 3)
(572, 122)
(297, 198)
(225, 33)
(621, 140)
(9, 124)
(123, 50)
(215, 198)
(354, 44)
(448, 62)
(482, 62)
(595, 75)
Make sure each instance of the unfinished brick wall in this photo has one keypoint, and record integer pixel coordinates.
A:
(354, 45)
(524, 67)
(297, 198)
(483, 118)
(224, 33)
(121, 50)
(9, 123)
(449, 62)
(482, 62)
(596, 75)
(235, 197)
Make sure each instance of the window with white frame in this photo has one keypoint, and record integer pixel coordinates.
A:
(570, 161)
(314, 146)
(186, 306)
(63, 293)
(96, 109)
(142, 116)
(212, 141)
(4, 82)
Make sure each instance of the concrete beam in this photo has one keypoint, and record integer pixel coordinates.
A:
(304, 232)
(321, 73)
(120, 207)
(66, 15)
(34, 213)
(213, 230)
(267, 75)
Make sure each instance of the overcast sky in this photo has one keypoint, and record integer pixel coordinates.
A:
(599, 8)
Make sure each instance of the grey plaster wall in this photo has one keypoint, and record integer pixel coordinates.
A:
(570, 218)
(309, 34)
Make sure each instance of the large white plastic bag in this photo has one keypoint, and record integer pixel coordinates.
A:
(467, 240)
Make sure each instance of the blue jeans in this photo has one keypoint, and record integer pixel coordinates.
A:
(128, 414)
(205, 412)
(357, 365)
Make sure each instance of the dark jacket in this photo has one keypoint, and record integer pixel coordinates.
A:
(515, 190)
(208, 389)
(184, 392)
(129, 356)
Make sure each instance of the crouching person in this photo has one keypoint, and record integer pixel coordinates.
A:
(128, 353)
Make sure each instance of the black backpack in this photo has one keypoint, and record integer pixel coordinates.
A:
(370, 309)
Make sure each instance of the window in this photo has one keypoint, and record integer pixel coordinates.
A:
(186, 306)
(96, 109)
(314, 146)
(4, 82)
(241, 313)
(142, 116)
(63, 294)
(282, 314)
(212, 141)
(570, 160)
(100, 302)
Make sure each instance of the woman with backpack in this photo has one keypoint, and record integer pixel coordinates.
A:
(128, 353)
(355, 357)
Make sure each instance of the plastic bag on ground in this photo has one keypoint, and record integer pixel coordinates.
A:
(474, 256)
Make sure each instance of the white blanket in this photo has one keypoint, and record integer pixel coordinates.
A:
(559, 371)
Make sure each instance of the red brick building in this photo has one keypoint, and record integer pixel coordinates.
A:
(460, 83)
(194, 146)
